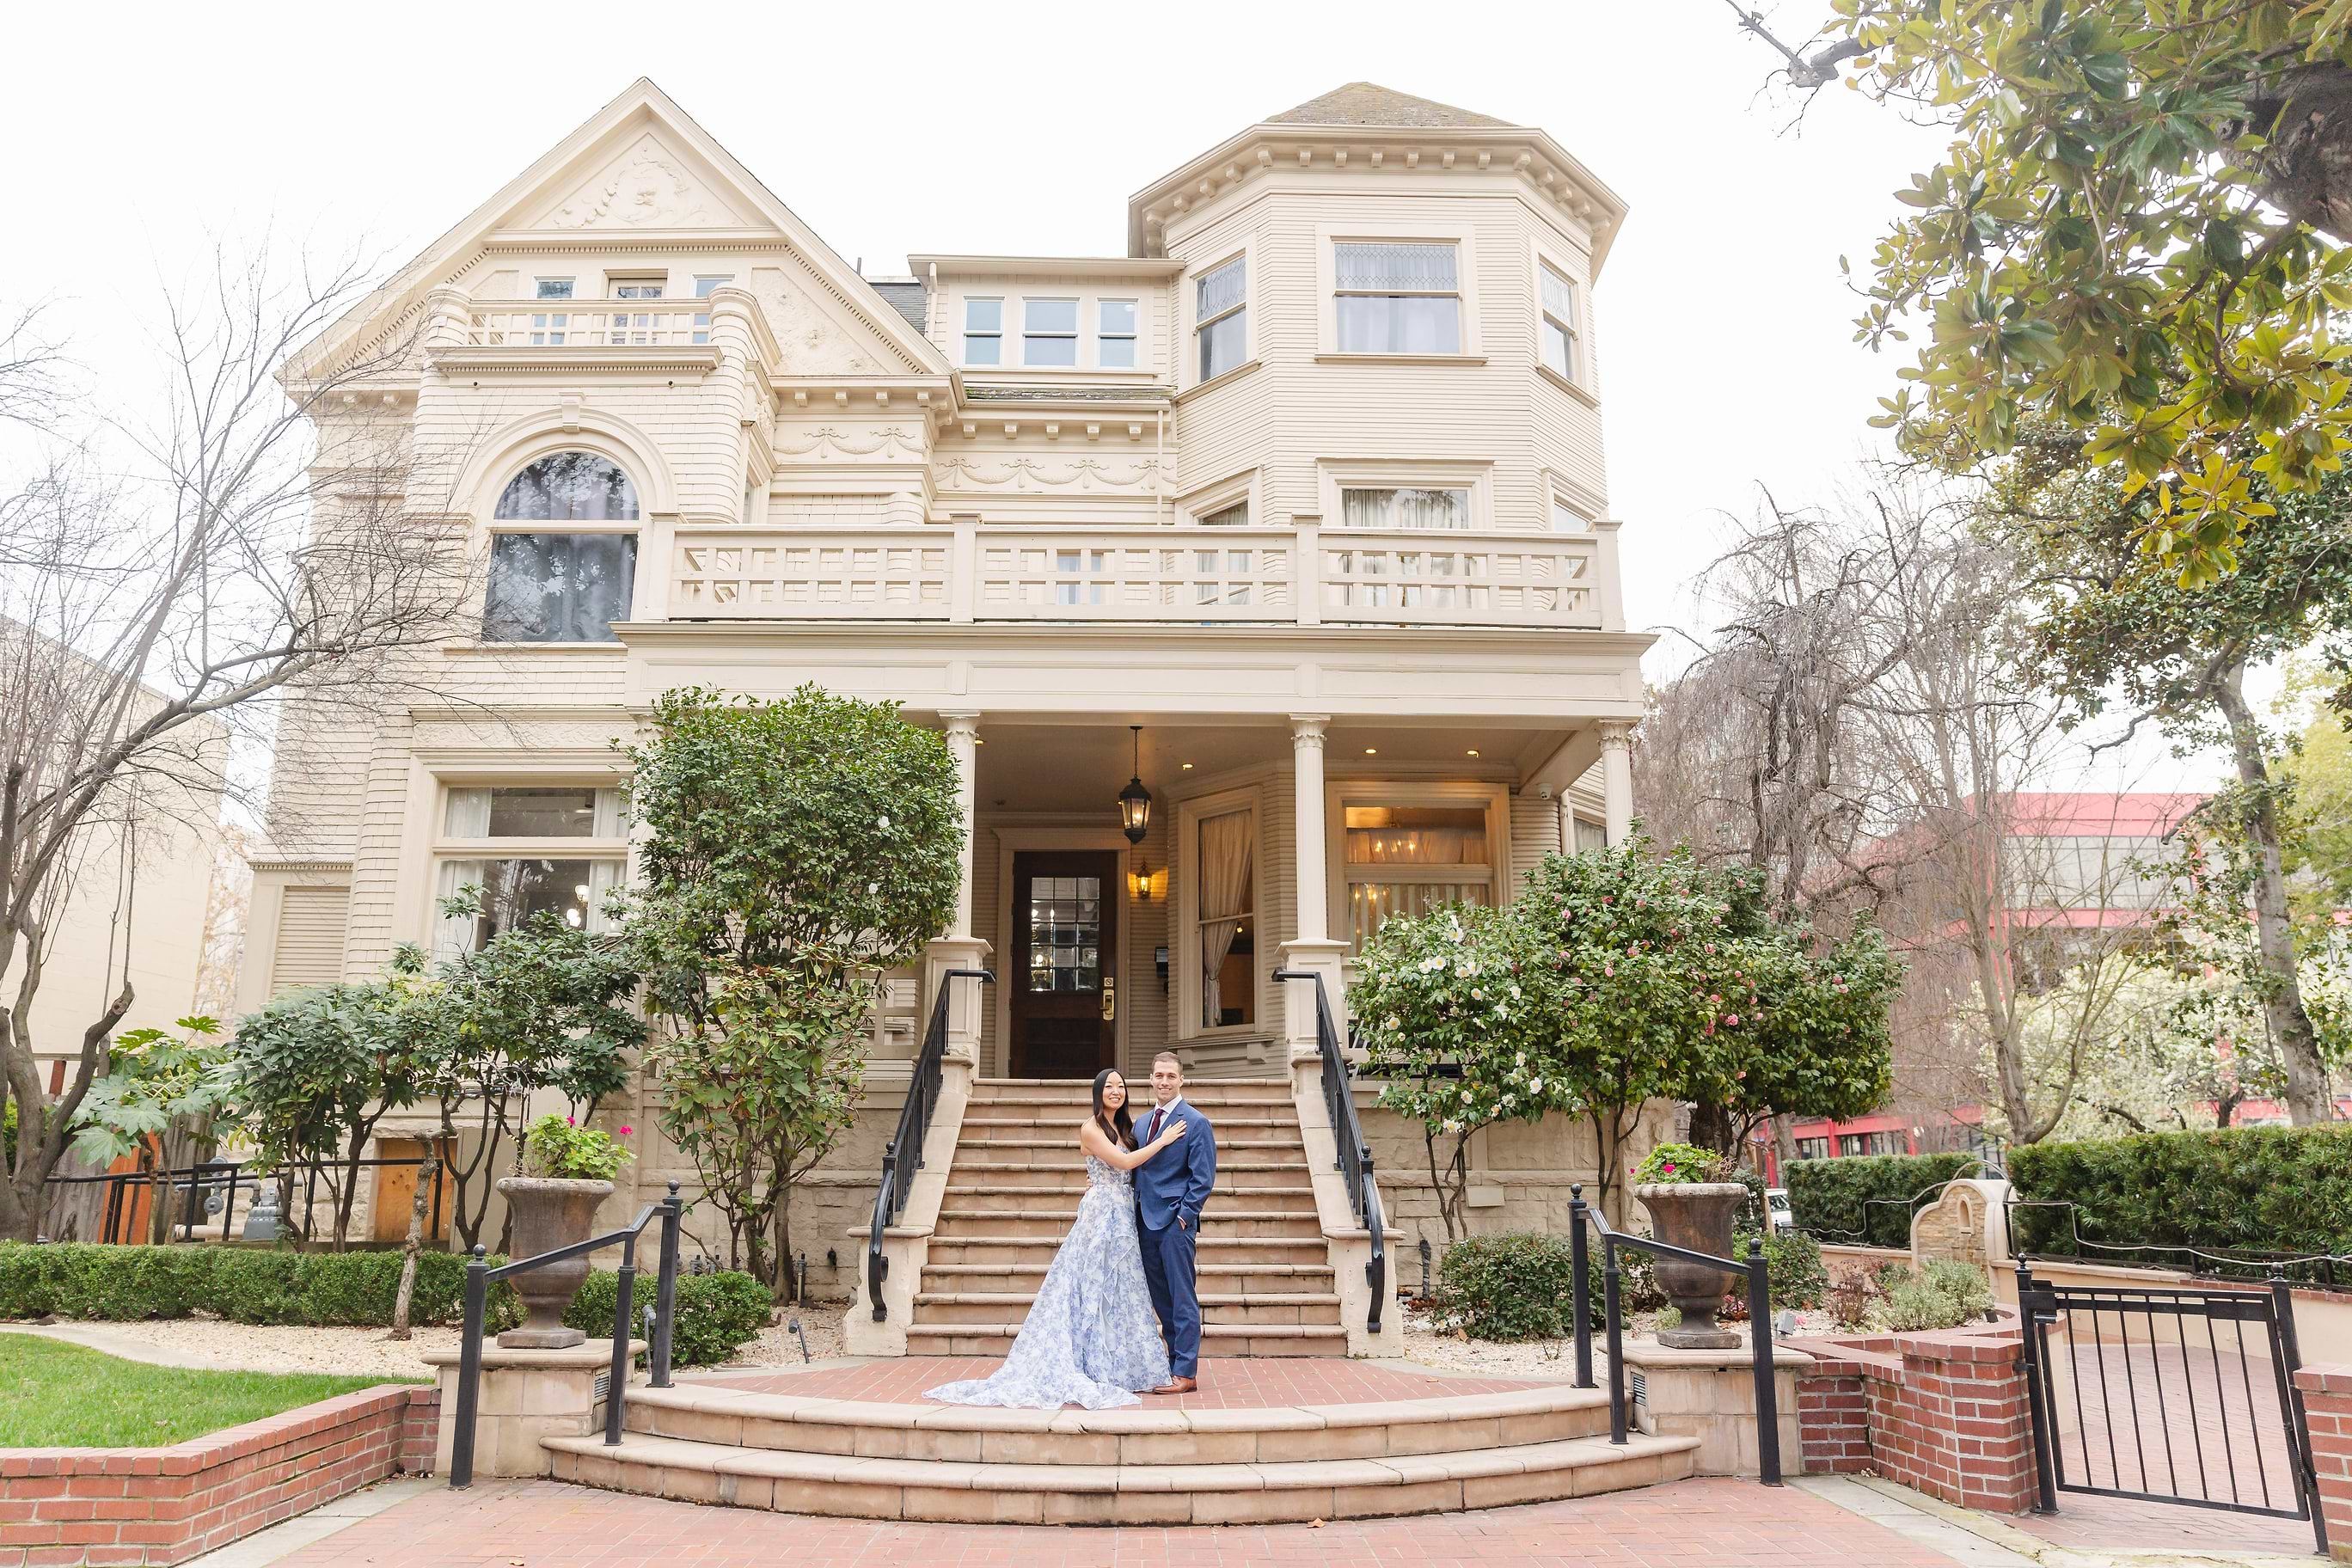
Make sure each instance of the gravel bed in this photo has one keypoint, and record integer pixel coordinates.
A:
(1448, 1350)
(249, 1347)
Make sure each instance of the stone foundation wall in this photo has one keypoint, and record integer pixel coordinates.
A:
(148, 1505)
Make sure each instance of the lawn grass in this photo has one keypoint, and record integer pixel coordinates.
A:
(59, 1395)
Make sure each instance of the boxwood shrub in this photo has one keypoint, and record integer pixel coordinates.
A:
(1519, 1286)
(1868, 1200)
(717, 1312)
(2271, 1189)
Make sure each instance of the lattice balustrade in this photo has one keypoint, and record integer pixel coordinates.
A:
(1459, 579)
(567, 323)
(1142, 575)
(817, 577)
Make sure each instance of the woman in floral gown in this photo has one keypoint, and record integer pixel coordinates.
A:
(1091, 1338)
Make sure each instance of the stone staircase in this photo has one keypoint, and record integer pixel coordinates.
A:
(868, 1458)
(1265, 1269)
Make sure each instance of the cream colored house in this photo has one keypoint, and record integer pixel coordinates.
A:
(1296, 514)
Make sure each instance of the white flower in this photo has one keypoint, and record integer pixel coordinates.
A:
(1535, 1086)
(1432, 965)
(1391, 1022)
(872, 889)
(1523, 1056)
(883, 821)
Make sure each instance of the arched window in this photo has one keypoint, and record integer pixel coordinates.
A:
(567, 584)
(570, 487)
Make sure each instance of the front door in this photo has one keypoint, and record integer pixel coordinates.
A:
(1066, 962)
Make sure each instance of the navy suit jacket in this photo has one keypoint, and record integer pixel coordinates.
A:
(1177, 1180)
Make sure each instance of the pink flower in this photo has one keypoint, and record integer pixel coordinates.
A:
(1610, 970)
(1733, 1020)
(1668, 1169)
(626, 1131)
(569, 1122)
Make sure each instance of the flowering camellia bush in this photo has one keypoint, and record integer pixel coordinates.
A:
(559, 1146)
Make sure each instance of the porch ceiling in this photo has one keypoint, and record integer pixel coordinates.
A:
(1079, 768)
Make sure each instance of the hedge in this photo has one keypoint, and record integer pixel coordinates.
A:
(349, 1290)
(1867, 1200)
(2270, 1189)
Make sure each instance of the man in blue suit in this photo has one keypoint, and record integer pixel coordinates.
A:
(1170, 1189)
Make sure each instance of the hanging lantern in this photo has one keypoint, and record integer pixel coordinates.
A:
(1135, 801)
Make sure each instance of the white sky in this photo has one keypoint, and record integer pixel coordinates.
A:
(1724, 325)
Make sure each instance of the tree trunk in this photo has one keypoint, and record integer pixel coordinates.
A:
(788, 1281)
(2306, 1076)
(1711, 1127)
(428, 1176)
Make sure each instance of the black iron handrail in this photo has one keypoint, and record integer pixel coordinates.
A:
(905, 1153)
(1355, 1158)
(1760, 1320)
(480, 1275)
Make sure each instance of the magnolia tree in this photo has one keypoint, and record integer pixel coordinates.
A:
(1618, 977)
(792, 851)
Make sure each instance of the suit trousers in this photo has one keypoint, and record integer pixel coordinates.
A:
(1168, 1270)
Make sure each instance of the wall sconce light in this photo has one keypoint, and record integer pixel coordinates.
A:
(1143, 882)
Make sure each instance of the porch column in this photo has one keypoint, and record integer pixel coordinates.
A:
(960, 949)
(1312, 948)
(1617, 777)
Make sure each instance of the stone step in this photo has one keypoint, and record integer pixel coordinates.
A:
(979, 1492)
(1231, 1280)
(1218, 1341)
(1217, 1224)
(1233, 1175)
(932, 1307)
(998, 1121)
(1251, 1155)
(1076, 1103)
(978, 1188)
(1214, 1250)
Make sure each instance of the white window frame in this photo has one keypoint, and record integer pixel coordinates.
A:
(1562, 492)
(705, 285)
(1185, 972)
(1380, 473)
(640, 526)
(441, 849)
(1340, 794)
(1454, 294)
(1133, 337)
(1465, 279)
(966, 334)
(1235, 490)
(539, 287)
(1570, 269)
(616, 281)
(1073, 337)
(1191, 308)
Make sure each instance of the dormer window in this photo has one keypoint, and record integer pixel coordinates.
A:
(1221, 317)
(1391, 298)
(1115, 334)
(983, 332)
(1049, 333)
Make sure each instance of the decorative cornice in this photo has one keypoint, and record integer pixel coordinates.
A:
(1047, 266)
(698, 359)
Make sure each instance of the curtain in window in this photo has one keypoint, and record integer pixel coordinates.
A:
(1225, 851)
(468, 816)
(604, 875)
(558, 587)
(574, 487)
(1558, 298)
(1417, 846)
(1405, 509)
(607, 822)
(453, 935)
(1394, 268)
(1222, 290)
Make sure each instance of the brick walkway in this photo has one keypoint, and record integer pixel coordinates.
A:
(543, 1524)
(1239, 1384)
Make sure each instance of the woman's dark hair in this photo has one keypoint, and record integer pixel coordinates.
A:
(1118, 1129)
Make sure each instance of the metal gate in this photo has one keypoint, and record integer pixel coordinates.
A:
(2181, 1395)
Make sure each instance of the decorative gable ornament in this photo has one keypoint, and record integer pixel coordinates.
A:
(647, 187)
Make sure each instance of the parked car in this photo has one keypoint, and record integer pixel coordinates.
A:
(1776, 1204)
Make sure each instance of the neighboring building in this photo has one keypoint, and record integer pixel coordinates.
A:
(2077, 870)
(1307, 486)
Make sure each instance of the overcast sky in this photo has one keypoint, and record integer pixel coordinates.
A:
(1724, 325)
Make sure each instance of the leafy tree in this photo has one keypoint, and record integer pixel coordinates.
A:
(2115, 628)
(2318, 848)
(1448, 1022)
(160, 1100)
(318, 1070)
(2135, 235)
(793, 851)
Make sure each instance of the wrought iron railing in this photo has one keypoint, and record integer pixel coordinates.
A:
(480, 1276)
(904, 1156)
(1760, 1319)
(1355, 1155)
(190, 1189)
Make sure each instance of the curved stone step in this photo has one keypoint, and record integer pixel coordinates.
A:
(952, 1491)
(941, 1308)
(1233, 1175)
(1218, 1341)
(1213, 1250)
(1222, 1280)
(1217, 1223)
(975, 1187)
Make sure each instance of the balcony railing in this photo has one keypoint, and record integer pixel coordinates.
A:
(587, 323)
(1307, 578)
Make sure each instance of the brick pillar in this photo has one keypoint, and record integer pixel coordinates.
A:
(2327, 1401)
(1970, 1394)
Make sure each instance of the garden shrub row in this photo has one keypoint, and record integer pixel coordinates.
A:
(715, 1312)
(1868, 1200)
(1520, 1285)
(2273, 1189)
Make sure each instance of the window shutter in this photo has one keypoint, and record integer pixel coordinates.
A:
(310, 925)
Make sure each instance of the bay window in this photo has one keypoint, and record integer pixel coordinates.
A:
(1396, 297)
(1410, 858)
(983, 332)
(1115, 334)
(531, 851)
(1559, 318)
(1404, 506)
(1221, 317)
(1049, 333)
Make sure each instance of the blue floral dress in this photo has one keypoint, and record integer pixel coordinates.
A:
(1091, 1338)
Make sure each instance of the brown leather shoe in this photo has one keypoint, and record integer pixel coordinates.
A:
(1177, 1385)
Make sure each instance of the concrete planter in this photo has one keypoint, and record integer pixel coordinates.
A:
(1697, 1215)
(550, 1212)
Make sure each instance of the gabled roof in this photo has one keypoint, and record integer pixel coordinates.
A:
(1369, 103)
(604, 178)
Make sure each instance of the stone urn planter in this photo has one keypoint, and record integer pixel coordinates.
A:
(550, 1212)
(1697, 1215)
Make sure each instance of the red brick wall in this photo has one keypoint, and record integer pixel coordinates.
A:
(2327, 1402)
(154, 1506)
(1946, 1413)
